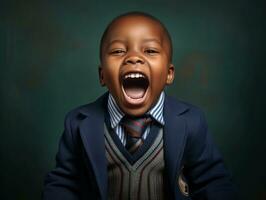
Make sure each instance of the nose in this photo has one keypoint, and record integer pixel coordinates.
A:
(134, 59)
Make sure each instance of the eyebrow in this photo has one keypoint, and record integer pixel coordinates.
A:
(115, 41)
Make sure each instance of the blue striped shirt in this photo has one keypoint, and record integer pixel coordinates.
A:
(116, 115)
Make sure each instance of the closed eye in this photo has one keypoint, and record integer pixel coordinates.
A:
(151, 51)
(117, 52)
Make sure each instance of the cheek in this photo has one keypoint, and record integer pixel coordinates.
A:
(159, 71)
(112, 77)
(158, 79)
(110, 61)
(112, 67)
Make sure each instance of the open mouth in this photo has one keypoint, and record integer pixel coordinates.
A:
(135, 85)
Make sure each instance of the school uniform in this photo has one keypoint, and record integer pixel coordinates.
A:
(178, 159)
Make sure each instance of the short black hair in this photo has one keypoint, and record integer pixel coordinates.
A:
(136, 13)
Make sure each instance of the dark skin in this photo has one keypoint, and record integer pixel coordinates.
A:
(136, 45)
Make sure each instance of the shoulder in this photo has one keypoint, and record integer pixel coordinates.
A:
(183, 108)
(192, 115)
(195, 124)
(77, 114)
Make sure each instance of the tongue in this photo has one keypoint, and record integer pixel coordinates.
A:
(135, 92)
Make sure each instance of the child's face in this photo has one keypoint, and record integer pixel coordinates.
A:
(135, 63)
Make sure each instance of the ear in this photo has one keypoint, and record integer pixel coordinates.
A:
(101, 76)
(171, 74)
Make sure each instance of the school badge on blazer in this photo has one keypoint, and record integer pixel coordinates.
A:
(182, 184)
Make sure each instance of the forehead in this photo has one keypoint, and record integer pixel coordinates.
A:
(136, 27)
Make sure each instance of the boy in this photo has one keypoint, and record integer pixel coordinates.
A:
(135, 142)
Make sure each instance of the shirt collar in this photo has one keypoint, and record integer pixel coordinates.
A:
(116, 114)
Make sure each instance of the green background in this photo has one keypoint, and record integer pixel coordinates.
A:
(49, 58)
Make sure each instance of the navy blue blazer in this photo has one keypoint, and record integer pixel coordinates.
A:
(81, 165)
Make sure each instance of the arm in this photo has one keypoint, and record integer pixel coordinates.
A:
(63, 181)
(204, 169)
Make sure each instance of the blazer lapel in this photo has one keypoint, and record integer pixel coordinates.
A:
(174, 138)
(92, 135)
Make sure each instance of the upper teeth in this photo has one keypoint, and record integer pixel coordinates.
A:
(134, 75)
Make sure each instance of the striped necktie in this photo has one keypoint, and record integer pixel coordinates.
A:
(134, 128)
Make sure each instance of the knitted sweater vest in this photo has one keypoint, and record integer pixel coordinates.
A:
(142, 180)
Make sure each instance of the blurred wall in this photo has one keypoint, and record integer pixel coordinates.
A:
(49, 58)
